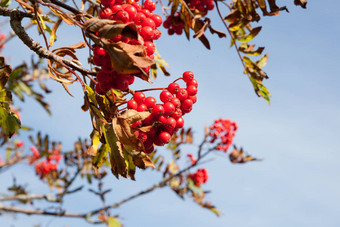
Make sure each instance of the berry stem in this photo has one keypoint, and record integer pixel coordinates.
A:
(150, 89)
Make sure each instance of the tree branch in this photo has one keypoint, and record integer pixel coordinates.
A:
(40, 212)
(16, 17)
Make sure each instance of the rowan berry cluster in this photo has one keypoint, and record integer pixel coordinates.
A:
(47, 165)
(201, 176)
(147, 23)
(165, 118)
(201, 5)
(174, 24)
(224, 131)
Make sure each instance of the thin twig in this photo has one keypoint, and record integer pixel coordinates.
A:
(232, 37)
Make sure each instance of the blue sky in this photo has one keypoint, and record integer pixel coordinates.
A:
(297, 136)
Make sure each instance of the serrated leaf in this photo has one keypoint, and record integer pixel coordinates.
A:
(118, 165)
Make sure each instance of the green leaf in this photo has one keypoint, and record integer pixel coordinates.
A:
(260, 89)
(5, 3)
(262, 62)
(98, 160)
(9, 122)
(247, 37)
(113, 222)
(131, 168)
(5, 96)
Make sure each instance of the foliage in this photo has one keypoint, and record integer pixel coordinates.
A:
(127, 124)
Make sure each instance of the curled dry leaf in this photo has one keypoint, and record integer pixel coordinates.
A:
(109, 28)
(55, 68)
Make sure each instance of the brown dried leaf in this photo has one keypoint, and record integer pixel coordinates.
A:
(142, 161)
(118, 165)
(124, 131)
(199, 28)
(302, 3)
(129, 59)
(219, 33)
(109, 28)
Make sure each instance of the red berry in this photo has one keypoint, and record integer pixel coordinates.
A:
(142, 136)
(180, 122)
(122, 16)
(158, 110)
(192, 82)
(139, 97)
(116, 8)
(165, 96)
(149, 120)
(149, 22)
(164, 137)
(106, 13)
(132, 104)
(107, 2)
(147, 33)
(150, 47)
(141, 108)
(192, 90)
(177, 113)
(150, 102)
(146, 12)
(162, 119)
(132, 11)
(137, 6)
(150, 5)
(187, 104)
(99, 52)
(139, 18)
(157, 19)
(176, 102)
(156, 34)
(170, 123)
(193, 98)
(104, 77)
(169, 108)
(182, 94)
(173, 88)
(188, 76)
